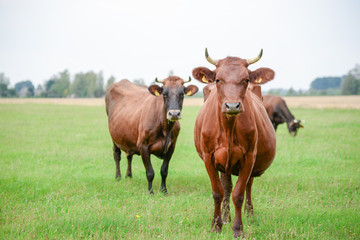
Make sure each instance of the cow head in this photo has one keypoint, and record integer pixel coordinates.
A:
(294, 126)
(232, 78)
(173, 91)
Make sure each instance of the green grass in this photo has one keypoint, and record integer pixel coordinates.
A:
(57, 181)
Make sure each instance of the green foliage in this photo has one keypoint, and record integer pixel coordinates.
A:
(350, 85)
(139, 81)
(88, 84)
(58, 86)
(325, 83)
(24, 88)
(110, 81)
(4, 84)
(57, 181)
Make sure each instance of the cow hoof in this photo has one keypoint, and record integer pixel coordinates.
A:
(118, 178)
(239, 235)
(226, 218)
(164, 191)
(128, 176)
(216, 225)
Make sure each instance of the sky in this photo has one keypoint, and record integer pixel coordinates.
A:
(301, 39)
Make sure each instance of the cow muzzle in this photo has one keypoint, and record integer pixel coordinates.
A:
(233, 108)
(173, 115)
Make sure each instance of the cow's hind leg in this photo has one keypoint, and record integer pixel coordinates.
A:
(129, 158)
(117, 158)
(249, 209)
(227, 185)
(145, 155)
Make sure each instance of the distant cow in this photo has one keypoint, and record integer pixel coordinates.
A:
(233, 133)
(143, 121)
(279, 113)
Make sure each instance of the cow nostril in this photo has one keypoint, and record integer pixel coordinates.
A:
(227, 106)
(238, 106)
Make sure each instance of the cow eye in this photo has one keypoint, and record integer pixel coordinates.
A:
(247, 80)
(217, 80)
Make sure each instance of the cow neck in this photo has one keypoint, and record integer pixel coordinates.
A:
(227, 126)
(167, 126)
(288, 116)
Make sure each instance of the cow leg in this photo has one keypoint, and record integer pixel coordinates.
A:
(227, 185)
(249, 209)
(129, 158)
(164, 173)
(145, 155)
(238, 193)
(218, 193)
(117, 158)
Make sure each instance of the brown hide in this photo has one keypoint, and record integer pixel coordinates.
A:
(136, 117)
(144, 121)
(279, 113)
(233, 133)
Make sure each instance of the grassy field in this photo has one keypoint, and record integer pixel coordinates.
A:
(57, 181)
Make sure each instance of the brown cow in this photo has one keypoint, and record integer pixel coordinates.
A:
(143, 123)
(279, 113)
(233, 133)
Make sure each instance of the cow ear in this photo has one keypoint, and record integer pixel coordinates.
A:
(190, 90)
(204, 75)
(155, 90)
(262, 75)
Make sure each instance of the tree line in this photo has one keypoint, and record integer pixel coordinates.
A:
(91, 85)
(88, 84)
(345, 85)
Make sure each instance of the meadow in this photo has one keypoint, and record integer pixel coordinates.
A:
(57, 180)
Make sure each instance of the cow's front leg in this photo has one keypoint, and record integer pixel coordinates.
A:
(227, 185)
(164, 173)
(217, 192)
(164, 169)
(145, 155)
(238, 193)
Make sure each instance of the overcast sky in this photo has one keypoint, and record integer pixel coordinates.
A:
(302, 39)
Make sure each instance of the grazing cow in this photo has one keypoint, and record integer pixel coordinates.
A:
(143, 121)
(279, 113)
(233, 133)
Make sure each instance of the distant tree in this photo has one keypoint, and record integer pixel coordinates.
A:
(4, 83)
(350, 85)
(355, 71)
(325, 83)
(58, 86)
(110, 81)
(291, 92)
(88, 84)
(139, 81)
(24, 88)
(351, 82)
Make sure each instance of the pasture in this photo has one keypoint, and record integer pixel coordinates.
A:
(57, 180)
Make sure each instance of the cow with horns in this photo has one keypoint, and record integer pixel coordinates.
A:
(144, 121)
(233, 134)
(279, 113)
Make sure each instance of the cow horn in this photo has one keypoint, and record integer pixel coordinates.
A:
(209, 59)
(156, 80)
(254, 60)
(188, 80)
